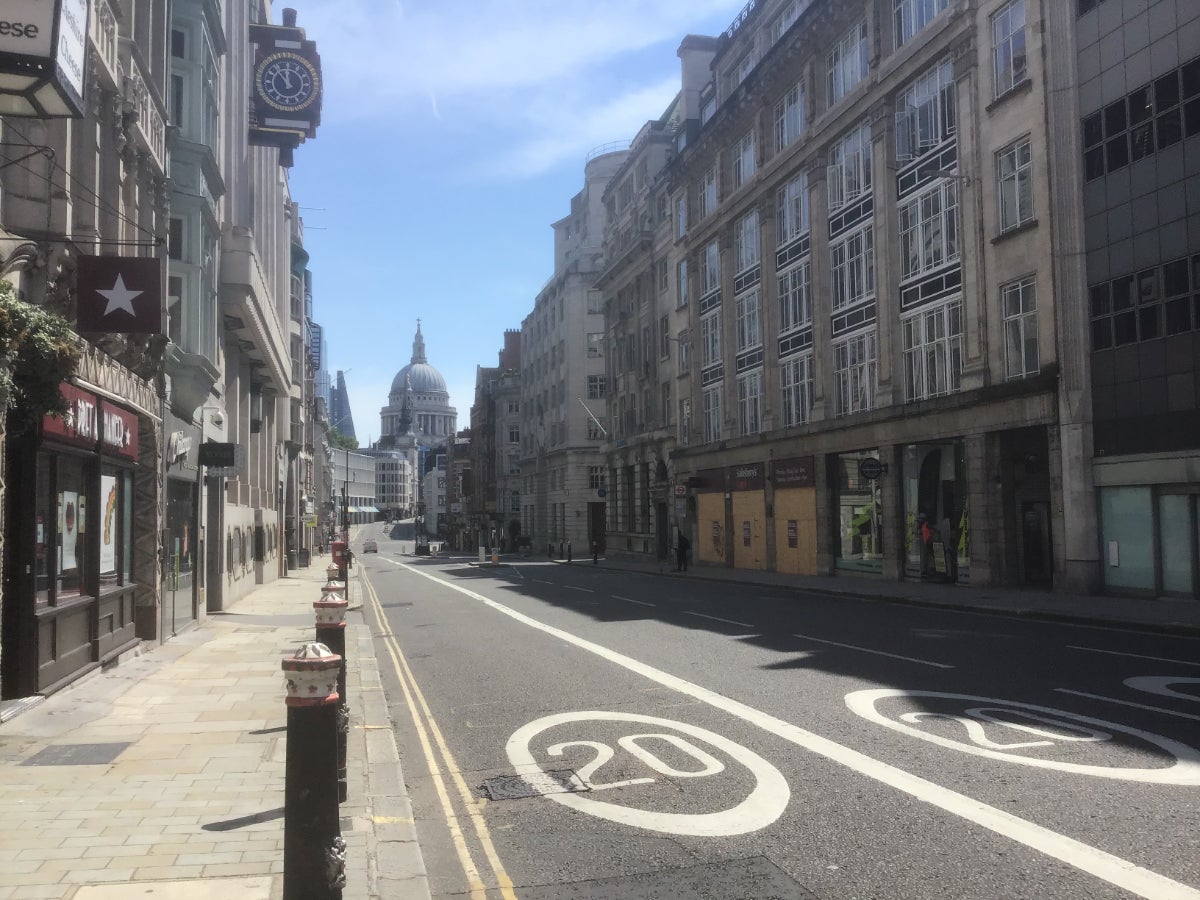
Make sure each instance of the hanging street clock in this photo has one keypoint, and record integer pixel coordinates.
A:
(285, 92)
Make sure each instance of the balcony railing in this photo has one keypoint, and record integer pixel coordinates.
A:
(150, 128)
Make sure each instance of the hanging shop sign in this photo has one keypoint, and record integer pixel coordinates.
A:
(286, 87)
(120, 294)
(43, 51)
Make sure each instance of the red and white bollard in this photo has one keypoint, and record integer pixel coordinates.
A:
(331, 631)
(314, 853)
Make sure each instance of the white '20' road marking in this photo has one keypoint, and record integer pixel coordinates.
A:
(1092, 860)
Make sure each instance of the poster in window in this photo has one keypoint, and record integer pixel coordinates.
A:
(108, 525)
(68, 530)
(792, 533)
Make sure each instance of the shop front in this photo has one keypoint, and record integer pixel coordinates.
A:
(795, 507)
(709, 541)
(858, 543)
(749, 508)
(70, 600)
(937, 530)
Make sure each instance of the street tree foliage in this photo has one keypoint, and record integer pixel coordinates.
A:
(340, 441)
(38, 352)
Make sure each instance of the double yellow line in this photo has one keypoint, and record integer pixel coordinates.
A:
(443, 768)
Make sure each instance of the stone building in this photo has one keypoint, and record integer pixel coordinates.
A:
(562, 456)
(882, 287)
(495, 445)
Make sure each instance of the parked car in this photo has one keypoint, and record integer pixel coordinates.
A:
(370, 546)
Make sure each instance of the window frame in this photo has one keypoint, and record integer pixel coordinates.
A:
(928, 229)
(856, 372)
(1005, 47)
(1014, 189)
(748, 317)
(750, 393)
(796, 389)
(847, 63)
(1020, 324)
(853, 278)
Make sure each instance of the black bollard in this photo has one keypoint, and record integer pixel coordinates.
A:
(560, 549)
(314, 853)
(550, 550)
(331, 631)
(595, 552)
(568, 551)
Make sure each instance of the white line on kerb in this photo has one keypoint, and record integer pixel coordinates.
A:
(1157, 709)
(1178, 662)
(716, 619)
(1092, 860)
(631, 600)
(923, 662)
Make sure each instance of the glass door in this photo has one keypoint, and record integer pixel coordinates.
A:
(1179, 544)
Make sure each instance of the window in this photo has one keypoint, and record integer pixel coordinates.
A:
(685, 353)
(1146, 305)
(933, 351)
(595, 302)
(782, 22)
(1014, 172)
(850, 167)
(596, 387)
(595, 345)
(708, 193)
(1018, 301)
(1011, 66)
(795, 298)
(910, 16)
(846, 64)
(749, 316)
(685, 421)
(596, 477)
(745, 242)
(681, 216)
(712, 414)
(594, 432)
(750, 402)
(739, 72)
(710, 269)
(792, 205)
(710, 334)
(853, 261)
(514, 502)
(662, 271)
(854, 373)
(743, 160)
(795, 383)
(514, 406)
(789, 117)
(925, 114)
(681, 284)
(929, 229)
(514, 437)
(664, 338)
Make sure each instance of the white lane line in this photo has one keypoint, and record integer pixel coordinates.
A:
(716, 619)
(923, 662)
(1178, 662)
(1091, 860)
(1157, 709)
(571, 587)
(631, 600)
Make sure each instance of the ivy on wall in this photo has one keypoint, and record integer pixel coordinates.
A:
(40, 351)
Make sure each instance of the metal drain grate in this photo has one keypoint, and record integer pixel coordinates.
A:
(535, 784)
(76, 754)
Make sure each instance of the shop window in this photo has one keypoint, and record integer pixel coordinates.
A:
(860, 515)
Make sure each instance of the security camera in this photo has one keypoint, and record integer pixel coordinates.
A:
(218, 418)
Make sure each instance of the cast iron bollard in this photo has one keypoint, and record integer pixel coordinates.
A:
(595, 552)
(314, 854)
(568, 551)
(331, 631)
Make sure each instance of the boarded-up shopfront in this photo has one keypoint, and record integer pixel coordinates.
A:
(709, 543)
(749, 506)
(795, 515)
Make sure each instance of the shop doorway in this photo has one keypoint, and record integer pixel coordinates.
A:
(596, 526)
(1036, 549)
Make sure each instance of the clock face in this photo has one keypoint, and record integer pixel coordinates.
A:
(287, 81)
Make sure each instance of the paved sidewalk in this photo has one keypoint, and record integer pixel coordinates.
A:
(167, 769)
(1172, 616)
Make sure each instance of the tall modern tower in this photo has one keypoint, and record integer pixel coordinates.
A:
(340, 416)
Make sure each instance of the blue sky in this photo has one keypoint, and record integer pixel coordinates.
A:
(453, 134)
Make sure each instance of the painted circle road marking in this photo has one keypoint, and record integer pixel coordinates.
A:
(765, 803)
(1184, 771)
(1159, 684)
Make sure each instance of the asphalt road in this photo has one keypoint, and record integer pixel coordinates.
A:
(577, 732)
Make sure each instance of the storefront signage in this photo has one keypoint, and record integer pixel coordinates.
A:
(120, 294)
(707, 481)
(870, 468)
(223, 456)
(746, 477)
(79, 424)
(119, 431)
(793, 473)
(44, 44)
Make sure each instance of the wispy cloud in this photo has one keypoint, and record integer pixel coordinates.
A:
(547, 80)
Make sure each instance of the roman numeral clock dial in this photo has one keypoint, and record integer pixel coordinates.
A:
(287, 81)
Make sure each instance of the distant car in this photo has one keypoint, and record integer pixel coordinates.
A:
(370, 546)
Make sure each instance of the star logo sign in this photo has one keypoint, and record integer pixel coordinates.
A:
(119, 297)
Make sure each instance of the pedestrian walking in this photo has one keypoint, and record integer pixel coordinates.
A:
(682, 546)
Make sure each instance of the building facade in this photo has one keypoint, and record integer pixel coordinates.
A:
(562, 455)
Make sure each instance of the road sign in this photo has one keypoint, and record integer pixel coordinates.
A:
(870, 468)
(680, 490)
